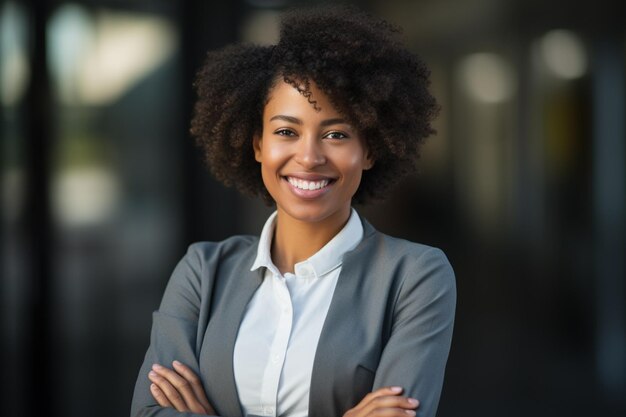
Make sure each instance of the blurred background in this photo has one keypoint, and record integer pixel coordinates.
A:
(523, 187)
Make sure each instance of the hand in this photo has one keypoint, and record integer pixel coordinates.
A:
(385, 402)
(179, 388)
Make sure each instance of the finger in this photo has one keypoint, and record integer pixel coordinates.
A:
(171, 393)
(391, 412)
(385, 405)
(378, 393)
(183, 387)
(159, 396)
(196, 384)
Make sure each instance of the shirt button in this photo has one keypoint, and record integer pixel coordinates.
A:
(269, 411)
(275, 358)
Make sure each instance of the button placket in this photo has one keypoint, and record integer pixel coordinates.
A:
(278, 349)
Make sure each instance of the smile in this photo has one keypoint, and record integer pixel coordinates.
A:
(307, 185)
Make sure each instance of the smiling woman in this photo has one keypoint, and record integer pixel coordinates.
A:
(321, 315)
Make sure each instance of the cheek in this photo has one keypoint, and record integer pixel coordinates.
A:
(275, 154)
(354, 162)
(268, 174)
(352, 169)
(273, 160)
(269, 181)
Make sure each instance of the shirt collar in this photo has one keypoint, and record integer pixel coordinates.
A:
(323, 261)
(263, 255)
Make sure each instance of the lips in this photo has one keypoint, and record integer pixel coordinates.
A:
(310, 186)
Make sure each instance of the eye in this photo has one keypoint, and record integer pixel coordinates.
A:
(336, 135)
(285, 132)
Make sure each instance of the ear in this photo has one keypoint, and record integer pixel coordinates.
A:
(368, 161)
(257, 142)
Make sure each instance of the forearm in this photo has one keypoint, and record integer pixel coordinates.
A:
(171, 339)
(416, 354)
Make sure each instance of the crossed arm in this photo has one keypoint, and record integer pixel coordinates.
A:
(180, 388)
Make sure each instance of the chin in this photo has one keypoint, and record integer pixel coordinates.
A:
(307, 215)
(312, 213)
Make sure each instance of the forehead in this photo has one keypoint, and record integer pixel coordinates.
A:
(311, 102)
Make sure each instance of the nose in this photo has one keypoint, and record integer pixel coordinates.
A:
(310, 152)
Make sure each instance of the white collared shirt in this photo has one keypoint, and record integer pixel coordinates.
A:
(277, 339)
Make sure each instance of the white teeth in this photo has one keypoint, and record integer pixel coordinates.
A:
(307, 185)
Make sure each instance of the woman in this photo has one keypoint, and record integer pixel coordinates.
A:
(321, 315)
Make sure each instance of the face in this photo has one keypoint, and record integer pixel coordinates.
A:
(311, 161)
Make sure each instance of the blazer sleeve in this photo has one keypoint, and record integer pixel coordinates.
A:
(417, 349)
(174, 333)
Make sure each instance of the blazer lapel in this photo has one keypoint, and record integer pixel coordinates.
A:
(327, 393)
(235, 284)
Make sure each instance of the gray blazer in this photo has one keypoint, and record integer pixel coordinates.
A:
(389, 323)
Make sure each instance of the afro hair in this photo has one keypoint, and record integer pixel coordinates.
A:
(358, 61)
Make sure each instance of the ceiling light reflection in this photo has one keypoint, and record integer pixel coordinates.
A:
(487, 77)
(564, 54)
(85, 196)
(96, 59)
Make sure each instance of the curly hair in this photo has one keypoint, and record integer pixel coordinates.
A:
(358, 61)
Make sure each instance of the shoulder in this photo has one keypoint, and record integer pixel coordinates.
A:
(231, 249)
(423, 280)
(409, 264)
(393, 250)
(204, 258)
(402, 248)
(195, 274)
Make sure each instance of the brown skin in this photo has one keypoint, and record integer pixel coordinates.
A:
(179, 388)
(297, 141)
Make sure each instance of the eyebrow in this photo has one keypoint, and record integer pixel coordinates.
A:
(297, 121)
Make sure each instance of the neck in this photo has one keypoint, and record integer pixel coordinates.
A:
(297, 240)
